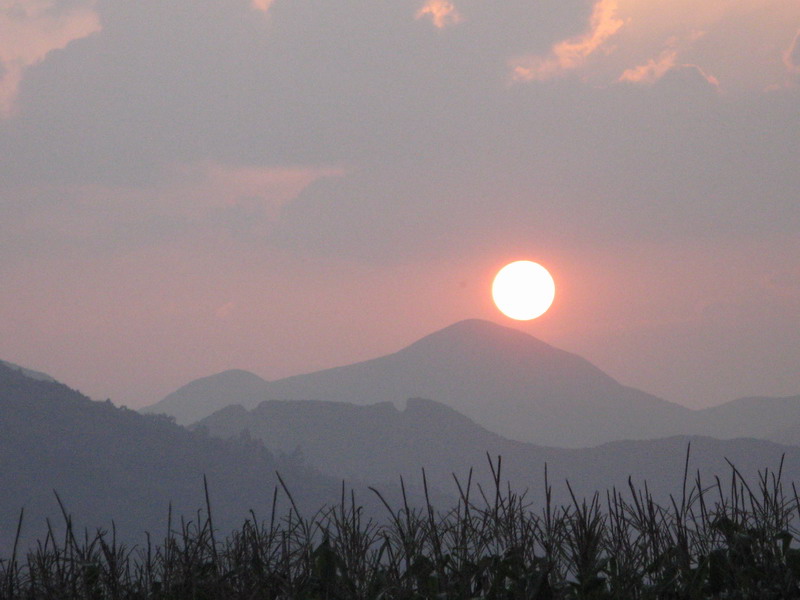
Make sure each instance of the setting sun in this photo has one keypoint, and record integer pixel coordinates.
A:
(523, 290)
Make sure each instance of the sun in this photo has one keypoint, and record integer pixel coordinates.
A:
(523, 290)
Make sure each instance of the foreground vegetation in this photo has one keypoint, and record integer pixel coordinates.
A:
(732, 540)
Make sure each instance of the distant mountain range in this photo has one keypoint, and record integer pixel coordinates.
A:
(379, 443)
(509, 382)
(112, 464)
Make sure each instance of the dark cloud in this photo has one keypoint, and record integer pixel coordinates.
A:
(436, 142)
(310, 83)
(672, 160)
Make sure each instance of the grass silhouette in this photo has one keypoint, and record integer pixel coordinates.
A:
(732, 540)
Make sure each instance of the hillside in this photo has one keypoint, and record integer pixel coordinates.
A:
(508, 381)
(381, 442)
(759, 417)
(38, 375)
(111, 463)
(376, 442)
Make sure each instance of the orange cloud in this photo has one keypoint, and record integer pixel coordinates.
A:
(652, 70)
(262, 5)
(441, 12)
(655, 68)
(737, 42)
(29, 31)
(740, 43)
(573, 53)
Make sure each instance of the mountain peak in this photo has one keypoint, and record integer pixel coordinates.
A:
(201, 397)
(478, 327)
(487, 334)
(502, 378)
(238, 375)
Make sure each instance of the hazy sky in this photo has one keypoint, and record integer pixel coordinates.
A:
(285, 185)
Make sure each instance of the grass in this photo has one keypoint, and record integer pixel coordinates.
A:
(712, 540)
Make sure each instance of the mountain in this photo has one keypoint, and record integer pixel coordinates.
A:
(201, 397)
(109, 463)
(789, 436)
(38, 375)
(376, 442)
(759, 417)
(380, 443)
(506, 380)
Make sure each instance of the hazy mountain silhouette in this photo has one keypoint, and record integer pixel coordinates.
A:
(506, 380)
(38, 375)
(759, 417)
(789, 431)
(380, 442)
(112, 463)
(201, 397)
(376, 442)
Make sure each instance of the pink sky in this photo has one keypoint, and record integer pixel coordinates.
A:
(283, 187)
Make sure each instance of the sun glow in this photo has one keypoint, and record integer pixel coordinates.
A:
(523, 290)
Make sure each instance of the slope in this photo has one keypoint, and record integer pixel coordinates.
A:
(381, 443)
(110, 463)
(506, 380)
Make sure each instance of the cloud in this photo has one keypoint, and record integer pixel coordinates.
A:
(277, 184)
(185, 82)
(572, 53)
(694, 75)
(29, 31)
(198, 201)
(732, 43)
(652, 70)
(717, 38)
(262, 5)
(237, 101)
(656, 68)
(441, 12)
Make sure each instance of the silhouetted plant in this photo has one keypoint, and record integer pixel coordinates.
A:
(715, 541)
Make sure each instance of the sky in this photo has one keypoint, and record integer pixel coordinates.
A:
(287, 185)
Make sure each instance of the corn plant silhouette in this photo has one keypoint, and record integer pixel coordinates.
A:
(733, 540)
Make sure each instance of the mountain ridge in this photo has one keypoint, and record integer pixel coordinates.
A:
(109, 463)
(30, 373)
(381, 443)
(507, 380)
